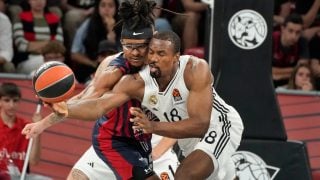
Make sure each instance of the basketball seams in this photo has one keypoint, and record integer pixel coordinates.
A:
(41, 82)
(54, 82)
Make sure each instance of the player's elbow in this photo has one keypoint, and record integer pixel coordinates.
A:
(202, 128)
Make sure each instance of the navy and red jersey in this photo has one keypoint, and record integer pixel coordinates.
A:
(113, 131)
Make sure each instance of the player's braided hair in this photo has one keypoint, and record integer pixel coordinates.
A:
(135, 14)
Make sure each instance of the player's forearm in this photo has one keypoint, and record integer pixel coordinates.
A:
(88, 110)
(181, 129)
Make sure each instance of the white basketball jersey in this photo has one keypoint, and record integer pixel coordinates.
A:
(171, 104)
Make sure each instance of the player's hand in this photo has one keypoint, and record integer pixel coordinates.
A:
(32, 130)
(140, 120)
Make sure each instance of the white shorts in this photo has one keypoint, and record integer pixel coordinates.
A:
(91, 165)
(166, 165)
(220, 142)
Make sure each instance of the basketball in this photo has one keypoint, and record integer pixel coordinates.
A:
(53, 82)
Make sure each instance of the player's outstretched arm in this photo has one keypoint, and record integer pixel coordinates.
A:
(34, 129)
(127, 88)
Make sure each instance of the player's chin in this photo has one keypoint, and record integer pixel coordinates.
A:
(136, 63)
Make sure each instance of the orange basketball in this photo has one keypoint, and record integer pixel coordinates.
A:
(53, 82)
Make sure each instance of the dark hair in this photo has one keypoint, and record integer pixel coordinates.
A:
(53, 46)
(97, 31)
(292, 79)
(9, 89)
(136, 16)
(293, 18)
(169, 36)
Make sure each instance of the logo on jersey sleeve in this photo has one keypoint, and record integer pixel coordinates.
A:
(176, 95)
(153, 100)
(164, 176)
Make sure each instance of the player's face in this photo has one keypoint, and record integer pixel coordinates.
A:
(9, 105)
(161, 58)
(135, 51)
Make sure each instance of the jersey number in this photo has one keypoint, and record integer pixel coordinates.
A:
(174, 115)
(210, 138)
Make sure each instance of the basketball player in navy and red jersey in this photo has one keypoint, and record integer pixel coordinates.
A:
(117, 151)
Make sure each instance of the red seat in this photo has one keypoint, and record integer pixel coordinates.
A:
(195, 51)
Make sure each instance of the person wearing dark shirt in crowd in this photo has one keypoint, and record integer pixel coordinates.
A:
(85, 44)
(76, 11)
(289, 49)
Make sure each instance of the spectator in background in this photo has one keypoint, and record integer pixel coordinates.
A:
(54, 51)
(301, 78)
(315, 59)
(6, 48)
(289, 49)
(13, 144)
(15, 7)
(96, 28)
(161, 23)
(33, 30)
(190, 27)
(105, 49)
(75, 12)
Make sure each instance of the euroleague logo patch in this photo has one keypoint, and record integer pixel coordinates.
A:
(251, 166)
(176, 95)
(247, 29)
(164, 176)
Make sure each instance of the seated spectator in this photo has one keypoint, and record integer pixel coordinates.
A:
(192, 26)
(105, 49)
(54, 51)
(96, 28)
(301, 78)
(6, 48)
(161, 23)
(33, 30)
(282, 9)
(15, 7)
(289, 49)
(315, 59)
(75, 12)
(13, 144)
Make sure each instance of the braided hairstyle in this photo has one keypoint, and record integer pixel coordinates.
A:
(136, 16)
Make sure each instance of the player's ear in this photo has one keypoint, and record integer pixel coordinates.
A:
(176, 57)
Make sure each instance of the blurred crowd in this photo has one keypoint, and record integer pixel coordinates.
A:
(80, 32)
(296, 45)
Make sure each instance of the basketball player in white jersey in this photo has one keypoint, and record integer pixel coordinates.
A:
(180, 93)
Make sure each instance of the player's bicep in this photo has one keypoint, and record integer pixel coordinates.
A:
(200, 95)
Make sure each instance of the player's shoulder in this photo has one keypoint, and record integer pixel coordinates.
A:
(197, 70)
(195, 65)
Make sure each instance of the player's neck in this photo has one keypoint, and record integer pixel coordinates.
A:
(164, 81)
